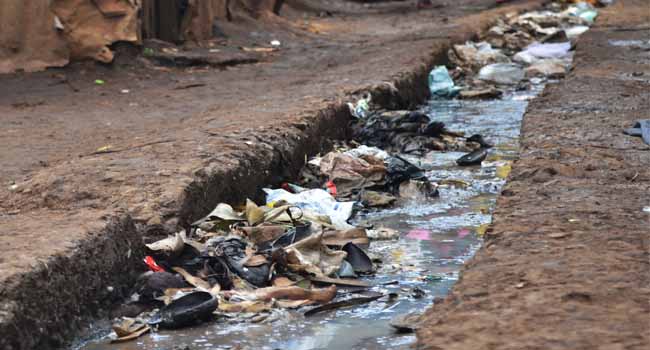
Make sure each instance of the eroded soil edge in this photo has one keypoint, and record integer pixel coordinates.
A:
(43, 308)
(566, 263)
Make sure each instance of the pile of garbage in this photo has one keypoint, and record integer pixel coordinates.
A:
(298, 249)
(536, 44)
(517, 50)
(411, 132)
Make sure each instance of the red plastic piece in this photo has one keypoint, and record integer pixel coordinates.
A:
(331, 188)
(153, 266)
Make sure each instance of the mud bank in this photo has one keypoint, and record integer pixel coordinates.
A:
(46, 306)
(565, 264)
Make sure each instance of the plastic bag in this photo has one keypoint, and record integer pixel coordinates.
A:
(441, 84)
(361, 109)
(501, 73)
(476, 55)
(583, 10)
(317, 201)
(351, 174)
(549, 50)
(364, 150)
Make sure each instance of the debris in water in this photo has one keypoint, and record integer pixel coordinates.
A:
(358, 259)
(551, 68)
(128, 329)
(476, 55)
(487, 93)
(501, 73)
(301, 247)
(190, 309)
(343, 303)
(441, 84)
(584, 11)
(407, 323)
(383, 233)
(473, 158)
(548, 50)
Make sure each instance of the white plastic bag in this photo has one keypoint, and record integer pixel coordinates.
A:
(501, 73)
(364, 150)
(549, 50)
(316, 201)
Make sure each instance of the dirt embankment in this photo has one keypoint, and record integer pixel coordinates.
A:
(566, 263)
(90, 169)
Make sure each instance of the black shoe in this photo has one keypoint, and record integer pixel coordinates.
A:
(480, 140)
(233, 250)
(473, 158)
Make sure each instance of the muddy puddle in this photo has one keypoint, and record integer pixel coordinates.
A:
(437, 237)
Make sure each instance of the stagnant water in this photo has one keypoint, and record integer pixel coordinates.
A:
(437, 237)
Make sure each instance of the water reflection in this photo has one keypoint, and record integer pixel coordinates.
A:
(437, 238)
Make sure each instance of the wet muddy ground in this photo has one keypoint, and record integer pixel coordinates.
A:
(437, 237)
(566, 263)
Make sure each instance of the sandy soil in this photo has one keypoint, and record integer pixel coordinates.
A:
(566, 264)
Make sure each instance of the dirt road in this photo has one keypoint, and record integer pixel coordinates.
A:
(566, 264)
(87, 169)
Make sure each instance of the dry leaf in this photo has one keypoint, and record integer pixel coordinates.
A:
(170, 245)
(315, 295)
(282, 282)
(357, 236)
(255, 260)
(193, 280)
(171, 294)
(128, 329)
(311, 256)
(215, 289)
(341, 281)
(224, 211)
(133, 335)
(254, 215)
(126, 326)
(245, 306)
(292, 304)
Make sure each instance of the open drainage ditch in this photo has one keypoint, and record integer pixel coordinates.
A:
(436, 237)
